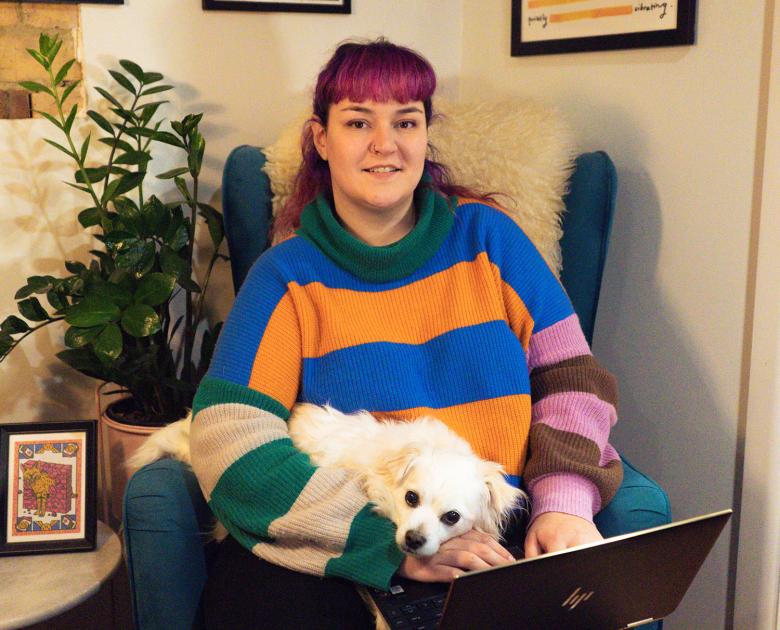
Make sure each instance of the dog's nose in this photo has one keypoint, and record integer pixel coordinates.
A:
(414, 540)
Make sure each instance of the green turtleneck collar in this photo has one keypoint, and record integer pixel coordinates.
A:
(385, 263)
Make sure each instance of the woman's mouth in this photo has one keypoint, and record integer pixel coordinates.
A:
(382, 169)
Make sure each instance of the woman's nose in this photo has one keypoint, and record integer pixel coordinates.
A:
(382, 141)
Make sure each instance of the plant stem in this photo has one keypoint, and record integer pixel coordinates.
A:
(29, 332)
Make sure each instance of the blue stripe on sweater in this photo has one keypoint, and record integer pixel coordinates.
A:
(389, 376)
(477, 228)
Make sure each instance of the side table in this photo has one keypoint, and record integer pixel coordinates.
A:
(39, 587)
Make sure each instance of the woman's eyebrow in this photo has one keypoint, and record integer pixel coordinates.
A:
(412, 109)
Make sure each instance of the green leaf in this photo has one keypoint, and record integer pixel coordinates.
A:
(157, 89)
(134, 157)
(172, 263)
(155, 288)
(140, 320)
(156, 216)
(85, 147)
(56, 301)
(94, 175)
(12, 325)
(81, 188)
(76, 337)
(90, 217)
(6, 345)
(119, 290)
(101, 121)
(66, 92)
(149, 110)
(191, 121)
(73, 265)
(69, 120)
(133, 68)
(24, 292)
(119, 144)
(178, 239)
(130, 215)
(39, 58)
(152, 77)
(188, 284)
(109, 342)
(67, 152)
(63, 72)
(175, 172)
(34, 87)
(40, 284)
(108, 96)
(123, 81)
(92, 311)
(31, 309)
(56, 44)
(214, 222)
(84, 360)
(122, 185)
(182, 186)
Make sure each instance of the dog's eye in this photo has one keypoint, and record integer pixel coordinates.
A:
(450, 518)
(412, 500)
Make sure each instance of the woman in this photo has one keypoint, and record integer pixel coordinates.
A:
(404, 294)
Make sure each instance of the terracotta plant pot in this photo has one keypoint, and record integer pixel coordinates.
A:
(118, 441)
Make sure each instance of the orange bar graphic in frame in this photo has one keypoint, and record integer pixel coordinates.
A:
(592, 13)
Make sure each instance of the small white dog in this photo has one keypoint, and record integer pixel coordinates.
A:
(419, 474)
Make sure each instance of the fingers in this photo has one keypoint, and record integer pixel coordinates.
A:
(491, 542)
(532, 547)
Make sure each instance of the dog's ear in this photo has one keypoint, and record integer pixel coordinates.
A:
(397, 467)
(502, 498)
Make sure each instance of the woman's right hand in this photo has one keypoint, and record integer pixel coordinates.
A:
(467, 552)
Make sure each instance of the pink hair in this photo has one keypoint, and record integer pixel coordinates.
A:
(378, 71)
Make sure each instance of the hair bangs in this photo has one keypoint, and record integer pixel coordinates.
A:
(379, 71)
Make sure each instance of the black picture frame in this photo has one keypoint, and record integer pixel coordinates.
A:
(337, 6)
(33, 448)
(683, 34)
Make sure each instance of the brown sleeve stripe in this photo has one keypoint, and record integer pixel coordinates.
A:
(578, 374)
(553, 451)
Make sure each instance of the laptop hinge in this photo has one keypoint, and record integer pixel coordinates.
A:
(640, 622)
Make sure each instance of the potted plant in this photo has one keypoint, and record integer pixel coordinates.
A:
(134, 312)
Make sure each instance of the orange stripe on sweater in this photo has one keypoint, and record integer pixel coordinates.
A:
(497, 428)
(277, 366)
(332, 319)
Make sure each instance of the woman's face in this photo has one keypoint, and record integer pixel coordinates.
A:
(376, 154)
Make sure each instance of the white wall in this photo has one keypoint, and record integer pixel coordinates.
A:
(680, 124)
(250, 73)
(758, 570)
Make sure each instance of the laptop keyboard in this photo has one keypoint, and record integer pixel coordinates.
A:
(401, 613)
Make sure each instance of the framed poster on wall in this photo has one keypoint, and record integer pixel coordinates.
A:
(541, 27)
(294, 6)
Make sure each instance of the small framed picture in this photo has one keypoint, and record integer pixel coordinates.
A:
(48, 487)
(294, 6)
(542, 27)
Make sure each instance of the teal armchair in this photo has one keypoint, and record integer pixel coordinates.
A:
(166, 519)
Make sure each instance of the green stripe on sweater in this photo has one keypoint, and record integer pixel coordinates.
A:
(371, 555)
(261, 486)
(216, 391)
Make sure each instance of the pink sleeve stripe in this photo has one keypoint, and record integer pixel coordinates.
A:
(564, 492)
(576, 412)
(563, 340)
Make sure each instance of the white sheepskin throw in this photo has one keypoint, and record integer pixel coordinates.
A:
(523, 150)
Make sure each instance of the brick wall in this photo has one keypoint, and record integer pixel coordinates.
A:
(20, 25)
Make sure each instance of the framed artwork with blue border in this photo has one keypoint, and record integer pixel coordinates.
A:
(544, 27)
(48, 487)
(293, 6)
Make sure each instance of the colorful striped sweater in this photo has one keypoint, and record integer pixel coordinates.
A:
(461, 319)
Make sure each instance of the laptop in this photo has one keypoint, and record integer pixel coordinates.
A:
(621, 582)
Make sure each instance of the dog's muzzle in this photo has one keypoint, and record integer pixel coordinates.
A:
(414, 540)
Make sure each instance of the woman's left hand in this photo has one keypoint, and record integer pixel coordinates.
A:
(555, 531)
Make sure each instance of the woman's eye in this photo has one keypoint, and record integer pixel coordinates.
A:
(450, 518)
(412, 500)
(407, 124)
(357, 124)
